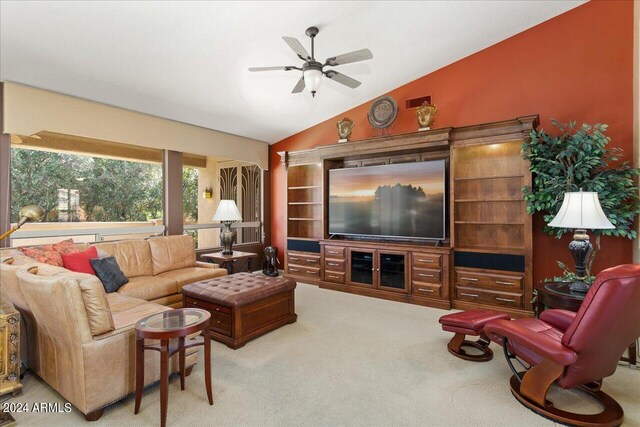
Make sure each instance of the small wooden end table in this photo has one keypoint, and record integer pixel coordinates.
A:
(228, 261)
(559, 295)
(164, 326)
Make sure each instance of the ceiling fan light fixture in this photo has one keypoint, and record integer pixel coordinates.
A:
(313, 80)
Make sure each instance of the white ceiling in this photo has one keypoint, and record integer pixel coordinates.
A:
(188, 61)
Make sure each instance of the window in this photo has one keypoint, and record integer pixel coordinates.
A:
(74, 188)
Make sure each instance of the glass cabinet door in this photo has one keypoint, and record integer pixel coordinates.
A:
(361, 270)
(392, 268)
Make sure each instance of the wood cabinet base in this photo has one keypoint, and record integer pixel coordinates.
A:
(248, 322)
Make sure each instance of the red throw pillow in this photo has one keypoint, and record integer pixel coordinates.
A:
(79, 261)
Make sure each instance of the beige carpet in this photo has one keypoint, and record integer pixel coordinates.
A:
(349, 360)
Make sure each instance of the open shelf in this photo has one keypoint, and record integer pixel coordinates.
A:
(304, 201)
(489, 223)
(468, 178)
(304, 187)
(491, 250)
(487, 200)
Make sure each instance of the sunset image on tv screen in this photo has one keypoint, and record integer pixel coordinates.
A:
(401, 200)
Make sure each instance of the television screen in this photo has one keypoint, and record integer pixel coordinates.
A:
(405, 200)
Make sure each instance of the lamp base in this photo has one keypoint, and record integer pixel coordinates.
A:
(580, 286)
(226, 239)
(580, 248)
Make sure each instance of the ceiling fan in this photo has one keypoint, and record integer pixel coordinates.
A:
(312, 70)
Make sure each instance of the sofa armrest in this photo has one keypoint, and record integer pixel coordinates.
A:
(559, 319)
(542, 344)
(204, 264)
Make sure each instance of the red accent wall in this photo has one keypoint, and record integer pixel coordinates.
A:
(576, 66)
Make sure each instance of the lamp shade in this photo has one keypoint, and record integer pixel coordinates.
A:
(581, 210)
(227, 211)
(312, 79)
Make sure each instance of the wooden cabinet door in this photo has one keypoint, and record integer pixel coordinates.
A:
(392, 271)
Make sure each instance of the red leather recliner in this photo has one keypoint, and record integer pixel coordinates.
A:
(575, 349)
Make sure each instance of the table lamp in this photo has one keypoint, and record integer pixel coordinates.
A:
(227, 213)
(30, 213)
(580, 211)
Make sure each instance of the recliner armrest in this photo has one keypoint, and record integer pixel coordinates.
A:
(542, 344)
(559, 319)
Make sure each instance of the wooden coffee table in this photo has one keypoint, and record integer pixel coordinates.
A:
(228, 261)
(165, 326)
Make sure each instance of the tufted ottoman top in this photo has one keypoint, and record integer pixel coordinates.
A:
(238, 289)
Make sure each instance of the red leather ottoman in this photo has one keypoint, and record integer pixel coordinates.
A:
(243, 306)
(472, 323)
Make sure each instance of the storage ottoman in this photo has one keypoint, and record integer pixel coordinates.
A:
(243, 306)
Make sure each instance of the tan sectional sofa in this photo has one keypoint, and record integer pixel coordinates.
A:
(80, 339)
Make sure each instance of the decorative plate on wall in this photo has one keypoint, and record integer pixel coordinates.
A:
(383, 112)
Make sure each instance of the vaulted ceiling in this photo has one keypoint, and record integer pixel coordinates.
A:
(188, 61)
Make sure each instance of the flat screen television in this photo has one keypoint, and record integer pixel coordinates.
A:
(404, 201)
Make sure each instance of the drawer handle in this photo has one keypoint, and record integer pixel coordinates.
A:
(311, 261)
(500, 282)
(218, 322)
(217, 309)
(293, 269)
(334, 252)
(505, 299)
(333, 264)
(332, 277)
(425, 275)
(426, 260)
(310, 271)
(464, 294)
(470, 279)
(293, 259)
(425, 290)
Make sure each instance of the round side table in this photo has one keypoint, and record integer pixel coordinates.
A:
(559, 295)
(166, 326)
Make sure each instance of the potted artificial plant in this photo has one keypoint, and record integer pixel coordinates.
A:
(577, 158)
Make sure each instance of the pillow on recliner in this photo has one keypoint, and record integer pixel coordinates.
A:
(109, 273)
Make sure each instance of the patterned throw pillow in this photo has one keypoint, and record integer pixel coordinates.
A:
(50, 254)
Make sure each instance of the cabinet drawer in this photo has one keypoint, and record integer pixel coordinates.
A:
(221, 322)
(334, 252)
(426, 290)
(301, 259)
(334, 265)
(426, 275)
(489, 280)
(504, 299)
(334, 276)
(213, 308)
(310, 272)
(427, 260)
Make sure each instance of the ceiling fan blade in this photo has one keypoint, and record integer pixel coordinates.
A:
(299, 86)
(283, 68)
(341, 78)
(297, 47)
(347, 58)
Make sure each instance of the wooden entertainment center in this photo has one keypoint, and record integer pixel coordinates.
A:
(486, 259)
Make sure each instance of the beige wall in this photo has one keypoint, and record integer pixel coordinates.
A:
(208, 177)
(28, 111)
(636, 104)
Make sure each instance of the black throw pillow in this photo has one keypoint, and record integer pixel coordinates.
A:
(109, 273)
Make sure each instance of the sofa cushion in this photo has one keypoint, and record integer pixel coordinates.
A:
(149, 287)
(172, 252)
(80, 261)
(126, 311)
(92, 292)
(109, 273)
(133, 256)
(184, 276)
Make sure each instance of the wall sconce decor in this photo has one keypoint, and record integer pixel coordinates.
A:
(207, 193)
